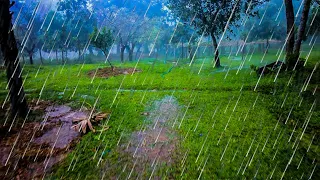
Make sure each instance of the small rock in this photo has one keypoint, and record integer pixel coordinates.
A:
(145, 113)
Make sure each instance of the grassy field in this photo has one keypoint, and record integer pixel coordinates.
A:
(231, 126)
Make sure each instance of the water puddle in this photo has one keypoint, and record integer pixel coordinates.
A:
(29, 152)
(152, 147)
(156, 140)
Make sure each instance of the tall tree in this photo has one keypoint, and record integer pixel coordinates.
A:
(130, 27)
(212, 17)
(290, 27)
(10, 53)
(79, 21)
(27, 29)
(302, 26)
(293, 46)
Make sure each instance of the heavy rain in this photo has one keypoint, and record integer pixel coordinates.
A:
(159, 89)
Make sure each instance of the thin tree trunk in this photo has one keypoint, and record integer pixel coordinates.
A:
(31, 58)
(10, 53)
(216, 50)
(290, 29)
(302, 27)
(41, 59)
(130, 55)
(1, 58)
(131, 51)
(122, 48)
(267, 46)
(79, 54)
(106, 55)
(138, 52)
(190, 52)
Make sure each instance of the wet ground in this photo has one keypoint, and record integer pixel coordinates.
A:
(156, 139)
(153, 145)
(30, 151)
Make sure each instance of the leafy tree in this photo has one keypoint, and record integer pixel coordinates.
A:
(185, 35)
(78, 23)
(264, 26)
(130, 27)
(28, 33)
(212, 17)
(294, 44)
(10, 53)
(103, 40)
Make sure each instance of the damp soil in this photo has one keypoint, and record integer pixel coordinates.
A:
(109, 72)
(153, 146)
(29, 150)
(157, 139)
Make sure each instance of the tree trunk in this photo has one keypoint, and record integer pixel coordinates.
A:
(290, 29)
(138, 51)
(106, 55)
(10, 52)
(79, 54)
(190, 53)
(122, 48)
(41, 59)
(130, 55)
(131, 51)
(1, 59)
(302, 27)
(216, 50)
(31, 58)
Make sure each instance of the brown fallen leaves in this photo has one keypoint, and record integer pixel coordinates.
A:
(83, 123)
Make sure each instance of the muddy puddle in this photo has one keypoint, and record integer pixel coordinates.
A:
(29, 152)
(153, 145)
(156, 139)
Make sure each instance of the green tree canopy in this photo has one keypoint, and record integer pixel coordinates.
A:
(213, 17)
(102, 40)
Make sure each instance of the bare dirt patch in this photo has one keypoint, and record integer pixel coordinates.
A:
(30, 151)
(108, 72)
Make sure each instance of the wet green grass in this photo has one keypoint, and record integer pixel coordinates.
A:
(244, 138)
